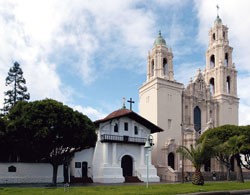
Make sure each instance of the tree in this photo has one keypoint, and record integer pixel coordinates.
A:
(222, 154)
(18, 91)
(51, 128)
(228, 143)
(3, 140)
(244, 142)
(198, 155)
(235, 145)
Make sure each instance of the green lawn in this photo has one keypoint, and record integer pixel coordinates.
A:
(116, 190)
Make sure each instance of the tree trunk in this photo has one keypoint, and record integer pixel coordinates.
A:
(239, 170)
(55, 168)
(65, 172)
(228, 174)
(15, 92)
(197, 178)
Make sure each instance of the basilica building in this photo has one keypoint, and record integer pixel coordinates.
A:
(173, 114)
(209, 100)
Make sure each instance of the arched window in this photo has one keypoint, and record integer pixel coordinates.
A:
(226, 59)
(12, 169)
(224, 35)
(211, 113)
(212, 61)
(136, 130)
(212, 87)
(116, 128)
(228, 84)
(171, 160)
(197, 119)
(165, 66)
(214, 36)
(152, 67)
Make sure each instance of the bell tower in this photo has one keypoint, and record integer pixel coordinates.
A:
(161, 100)
(160, 60)
(220, 74)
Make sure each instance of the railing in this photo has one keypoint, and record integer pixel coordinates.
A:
(123, 139)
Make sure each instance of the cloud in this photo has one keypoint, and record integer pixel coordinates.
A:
(235, 15)
(92, 113)
(244, 114)
(99, 28)
(186, 71)
(27, 37)
(244, 95)
(48, 36)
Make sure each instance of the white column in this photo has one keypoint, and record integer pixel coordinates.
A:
(114, 154)
(142, 155)
(105, 154)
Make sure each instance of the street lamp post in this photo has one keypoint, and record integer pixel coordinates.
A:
(149, 147)
(182, 159)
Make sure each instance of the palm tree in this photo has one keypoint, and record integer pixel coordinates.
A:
(198, 155)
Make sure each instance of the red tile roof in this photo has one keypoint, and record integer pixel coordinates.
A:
(132, 115)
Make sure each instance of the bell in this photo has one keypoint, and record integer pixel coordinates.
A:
(147, 144)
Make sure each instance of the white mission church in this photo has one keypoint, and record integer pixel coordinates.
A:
(175, 115)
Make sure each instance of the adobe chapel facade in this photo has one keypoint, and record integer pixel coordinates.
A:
(209, 100)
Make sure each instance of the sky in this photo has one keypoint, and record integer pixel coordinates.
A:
(89, 54)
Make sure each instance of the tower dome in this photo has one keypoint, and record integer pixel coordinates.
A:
(160, 40)
(218, 20)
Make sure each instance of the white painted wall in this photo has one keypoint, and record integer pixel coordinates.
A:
(228, 112)
(160, 102)
(82, 156)
(108, 156)
(108, 128)
(29, 173)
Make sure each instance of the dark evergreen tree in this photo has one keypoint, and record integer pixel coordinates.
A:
(48, 130)
(17, 91)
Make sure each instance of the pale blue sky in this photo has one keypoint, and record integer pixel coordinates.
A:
(89, 54)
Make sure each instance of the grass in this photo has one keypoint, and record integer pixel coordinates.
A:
(140, 189)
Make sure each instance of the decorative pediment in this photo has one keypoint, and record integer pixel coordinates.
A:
(197, 87)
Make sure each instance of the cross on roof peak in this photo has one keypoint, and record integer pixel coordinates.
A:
(131, 102)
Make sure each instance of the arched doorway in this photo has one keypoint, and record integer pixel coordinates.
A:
(171, 160)
(84, 169)
(127, 165)
(207, 166)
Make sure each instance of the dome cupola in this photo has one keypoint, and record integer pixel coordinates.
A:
(160, 40)
(218, 20)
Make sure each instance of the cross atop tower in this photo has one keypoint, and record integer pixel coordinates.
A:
(217, 6)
